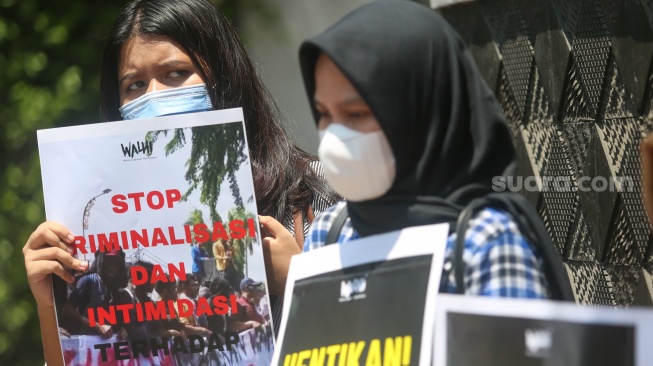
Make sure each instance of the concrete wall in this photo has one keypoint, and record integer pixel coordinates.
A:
(274, 46)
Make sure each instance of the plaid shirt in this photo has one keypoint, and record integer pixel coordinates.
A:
(498, 259)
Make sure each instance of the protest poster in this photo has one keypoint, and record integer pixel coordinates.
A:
(483, 331)
(153, 203)
(367, 302)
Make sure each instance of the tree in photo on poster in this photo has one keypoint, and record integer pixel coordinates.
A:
(217, 152)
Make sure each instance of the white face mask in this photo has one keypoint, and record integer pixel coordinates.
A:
(359, 166)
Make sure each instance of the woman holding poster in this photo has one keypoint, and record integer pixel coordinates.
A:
(186, 53)
(410, 134)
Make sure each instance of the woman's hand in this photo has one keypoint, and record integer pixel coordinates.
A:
(278, 248)
(47, 251)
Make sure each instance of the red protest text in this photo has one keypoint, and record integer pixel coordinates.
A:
(139, 274)
(155, 200)
(159, 310)
(147, 238)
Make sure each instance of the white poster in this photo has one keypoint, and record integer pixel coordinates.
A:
(161, 208)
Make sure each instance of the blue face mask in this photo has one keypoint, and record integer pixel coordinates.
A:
(186, 99)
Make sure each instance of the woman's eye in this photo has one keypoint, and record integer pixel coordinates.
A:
(135, 85)
(323, 119)
(177, 73)
(358, 115)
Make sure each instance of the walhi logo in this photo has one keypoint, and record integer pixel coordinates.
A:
(135, 150)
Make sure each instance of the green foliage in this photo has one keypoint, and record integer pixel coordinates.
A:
(216, 153)
(50, 65)
(241, 246)
(196, 217)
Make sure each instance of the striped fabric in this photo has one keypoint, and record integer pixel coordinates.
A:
(498, 259)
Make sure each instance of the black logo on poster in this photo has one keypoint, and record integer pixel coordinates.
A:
(131, 150)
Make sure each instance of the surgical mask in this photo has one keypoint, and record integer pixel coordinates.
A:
(185, 99)
(359, 166)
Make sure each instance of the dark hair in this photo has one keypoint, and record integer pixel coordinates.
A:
(220, 287)
(148, 266)
(161, 286)
(100, 266)
(283, 181)
(189, 277)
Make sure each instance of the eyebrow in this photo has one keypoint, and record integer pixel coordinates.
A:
(171, 63)
(175, 63)
(125, 77)
(345, 102)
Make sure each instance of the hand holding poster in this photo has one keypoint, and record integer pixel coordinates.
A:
(368, 302)
(150, 202)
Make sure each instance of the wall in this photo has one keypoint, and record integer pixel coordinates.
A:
(574, 79)
(274, 46)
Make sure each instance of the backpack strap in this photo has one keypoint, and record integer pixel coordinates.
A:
(336, 227)
(553, 269)
(462, 224)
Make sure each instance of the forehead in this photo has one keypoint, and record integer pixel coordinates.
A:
(331, 83)
(143, 51)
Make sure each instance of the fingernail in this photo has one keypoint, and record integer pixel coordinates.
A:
(70, 250)
(70, 238)
(83, 264)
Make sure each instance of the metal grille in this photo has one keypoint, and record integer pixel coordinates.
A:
(574, 99)
(538, 108)
(518, 58)
(624, 282)
(630, 230)
(575, 81)
(538, 139)
(591, 46)
(622, 248)
(616, 103)
(506, 98)
(581, 245)
(592, 284)
(579, 139)
(560, 199)
(497, 13)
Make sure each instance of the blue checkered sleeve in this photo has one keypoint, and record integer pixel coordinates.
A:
(319, 229)
(499, 261)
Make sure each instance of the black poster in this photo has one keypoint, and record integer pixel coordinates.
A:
(485, 340)
(370, 314)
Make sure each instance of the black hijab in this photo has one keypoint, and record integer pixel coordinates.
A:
(444, 125)
(446, 130)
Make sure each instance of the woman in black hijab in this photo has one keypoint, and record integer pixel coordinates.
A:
(410, 135)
